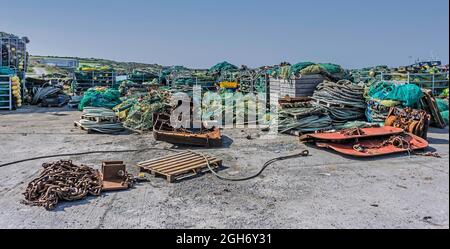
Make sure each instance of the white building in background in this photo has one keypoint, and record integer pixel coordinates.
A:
(60, 62)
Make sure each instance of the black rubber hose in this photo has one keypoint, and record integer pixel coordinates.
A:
(304, 153)
(82, 153)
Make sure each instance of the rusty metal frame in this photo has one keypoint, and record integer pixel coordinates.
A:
(342, 136)
(162, 131)
(114, 176)
(378, 144)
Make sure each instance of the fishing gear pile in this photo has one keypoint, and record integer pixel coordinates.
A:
(49, 96)
(101, 120)
(137, 111)
(381, 96)
(100, 97)
(343, 100)
(304, 118)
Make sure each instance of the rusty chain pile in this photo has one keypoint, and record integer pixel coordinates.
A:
(397, 141)
(62, 180)
(352, 132)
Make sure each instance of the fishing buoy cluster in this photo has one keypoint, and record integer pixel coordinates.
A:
(15, 82)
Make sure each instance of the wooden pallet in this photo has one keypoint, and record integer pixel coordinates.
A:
(77, 124)
(179, 166)
(330, 104)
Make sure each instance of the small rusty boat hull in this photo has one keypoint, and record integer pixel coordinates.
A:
(207, 139)
(365, 133)
(163, 131)
(375, 146)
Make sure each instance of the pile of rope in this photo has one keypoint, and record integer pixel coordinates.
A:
(137, 111)
(304, 118)
(106, 120)
(41, 95)
(378, 110)
(62, 180)
(343, 100)
(106, 128)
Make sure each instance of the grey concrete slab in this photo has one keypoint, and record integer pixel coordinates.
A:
(325, 190)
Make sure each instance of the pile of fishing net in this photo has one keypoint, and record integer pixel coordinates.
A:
(444, 93)
(343, 100)
(222, 67)
(137, 111)
(408, 94)
(329, 70)
(304, 118)
(247, 110)
(378, 110)
(100, 97)
(382, 95)
(443, 109)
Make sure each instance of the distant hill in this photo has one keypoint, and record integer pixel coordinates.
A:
(93, 62)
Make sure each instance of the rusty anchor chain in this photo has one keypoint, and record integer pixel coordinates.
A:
(62, 180)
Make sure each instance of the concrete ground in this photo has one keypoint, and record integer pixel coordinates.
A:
(324, 190)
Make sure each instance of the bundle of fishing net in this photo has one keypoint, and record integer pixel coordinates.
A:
(343, 100)
(444, 93)
(212, 105)
(443, 108)
(409, 94)
(222, 67)
(100, 97)
(382, 95)
(329, 70)
(244, 109)
(304, 118)
(137, 112)
(378, 110)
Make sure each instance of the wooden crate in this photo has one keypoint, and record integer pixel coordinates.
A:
(302, 87)
(179, 166)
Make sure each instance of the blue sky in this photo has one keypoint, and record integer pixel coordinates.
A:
(200, 33)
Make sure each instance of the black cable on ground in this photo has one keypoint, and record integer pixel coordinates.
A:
(304, 153)
(83, 153)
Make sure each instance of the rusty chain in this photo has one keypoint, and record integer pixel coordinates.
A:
(352, 132)
(62, 180)
(397, 141)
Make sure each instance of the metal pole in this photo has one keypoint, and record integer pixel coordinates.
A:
(10, 93)
(432, 85)
(25, 67)
(1, 52)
